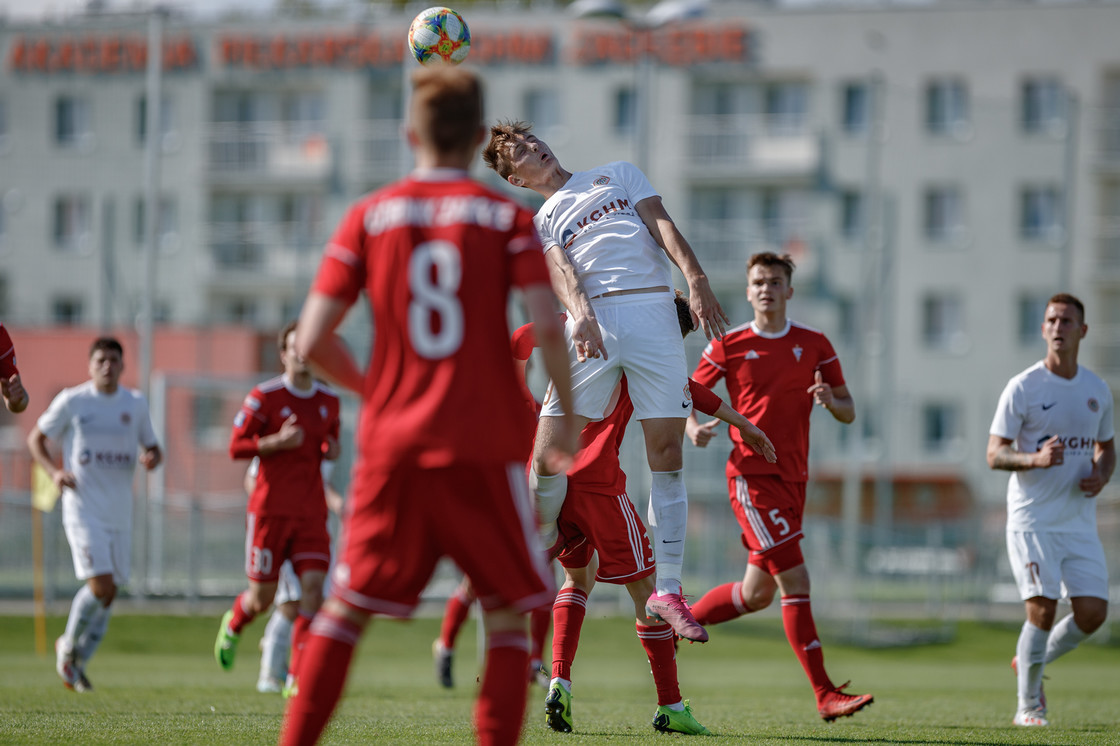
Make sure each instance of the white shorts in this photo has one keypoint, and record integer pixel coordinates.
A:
(100, 551)
(642, 338)
(287, 586)
(1057, 564)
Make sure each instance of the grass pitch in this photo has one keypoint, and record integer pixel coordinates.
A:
(157, 683)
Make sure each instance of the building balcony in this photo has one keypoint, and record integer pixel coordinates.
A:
(756, 145)
(262, 254)
(1108, 139)
(274, 150)
(723, 246)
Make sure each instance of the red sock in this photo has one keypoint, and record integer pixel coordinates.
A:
(797, 618)
(567, 618)
(662, 653)
(721, 604)
(329, 649)
(454, 615)
(539, 622)
(500, 708)
(241, 617)
(300, 631)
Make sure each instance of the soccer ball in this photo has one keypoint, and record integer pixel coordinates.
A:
(439, 35)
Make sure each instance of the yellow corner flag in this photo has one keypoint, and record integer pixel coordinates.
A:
(44, 493)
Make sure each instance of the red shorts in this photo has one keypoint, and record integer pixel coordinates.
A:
(400, 522)
(592, 522)
(769, 510)
(269, 541)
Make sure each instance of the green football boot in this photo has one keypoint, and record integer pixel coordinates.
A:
(225, 647)
(558, 708)
(673, 721)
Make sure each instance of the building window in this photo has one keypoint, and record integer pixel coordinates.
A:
(786, 109)
(167, 227)
(66, 310)
(625, 120)
(542, 107)
(941, 424)
(241, 311)
(72, 223)
(168, 126)
(947, 108)
(943, 322)
(73, 121)
(944, 214)
(1041, 214)
(1044, 106)
(1032, 309)
(852, 214)
(855, 108)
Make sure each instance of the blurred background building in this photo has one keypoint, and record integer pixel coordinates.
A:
(937, 169)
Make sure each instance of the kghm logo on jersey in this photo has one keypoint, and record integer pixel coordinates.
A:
(1094, 405)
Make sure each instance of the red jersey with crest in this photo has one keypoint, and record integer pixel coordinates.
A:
(7, 355)
(437, 255)
(289, 482)
(768, 377)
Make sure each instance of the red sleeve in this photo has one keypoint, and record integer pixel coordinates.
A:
(342, 269)
(7, 355)
(523, 341)
(526, 255)
(829, 365)
(703, 398)
(711, 366)
(247, 426)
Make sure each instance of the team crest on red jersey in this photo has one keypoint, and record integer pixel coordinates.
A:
(797, 350)
(602, 181)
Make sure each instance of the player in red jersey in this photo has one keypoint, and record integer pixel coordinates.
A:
(603, 539)
(11, 385)
(291, 423)
(775, 370)
(443, 434)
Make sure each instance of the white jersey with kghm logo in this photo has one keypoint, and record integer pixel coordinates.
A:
(100, 435)
(594, 219)
(1036, 405)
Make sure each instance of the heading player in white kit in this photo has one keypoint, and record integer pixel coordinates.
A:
(99, 424)
(1053, 430)
(610, 246)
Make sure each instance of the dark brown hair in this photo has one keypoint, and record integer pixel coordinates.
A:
(446, 107)
(496, 152)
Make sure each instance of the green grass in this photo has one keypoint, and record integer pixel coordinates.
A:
(156, 682)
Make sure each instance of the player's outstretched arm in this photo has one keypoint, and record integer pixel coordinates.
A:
(570, 290)
(755, 439)
(707, 313)
(316, 341)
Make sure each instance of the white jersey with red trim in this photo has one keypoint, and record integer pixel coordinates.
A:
(594, 219)
(100, 435)
(1036, 405)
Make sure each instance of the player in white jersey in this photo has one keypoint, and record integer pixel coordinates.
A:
(99, 425)
(610, 246)
(1053, 430)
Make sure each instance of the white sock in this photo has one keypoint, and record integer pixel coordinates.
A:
(550, 492)
(1065, 636)
(566, 683)
(676, 707)
(84, 606)
(95, 632)
(668, 517)
(1031, 650)
(275, 644)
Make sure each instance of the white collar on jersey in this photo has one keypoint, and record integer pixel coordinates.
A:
(298, 392)
(439, 174)
(771, 335)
